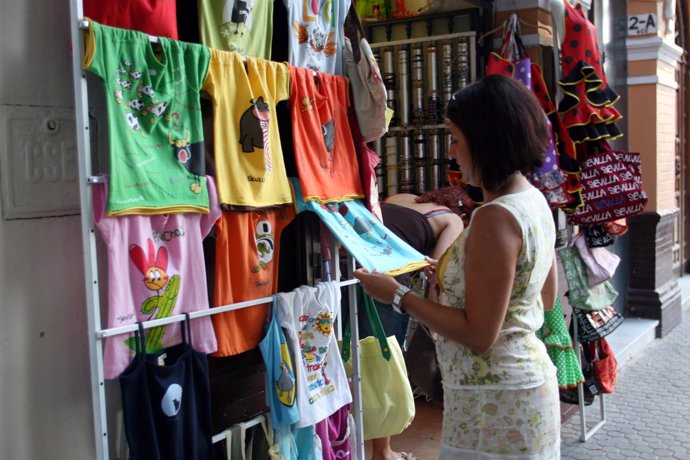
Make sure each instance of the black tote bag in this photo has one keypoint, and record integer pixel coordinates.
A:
(166, 402)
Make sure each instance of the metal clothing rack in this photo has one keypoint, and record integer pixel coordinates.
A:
(90, 260)
(585, 434)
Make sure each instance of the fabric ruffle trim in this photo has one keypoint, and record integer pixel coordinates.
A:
(587, 106)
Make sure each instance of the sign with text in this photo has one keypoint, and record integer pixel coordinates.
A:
(38, 160)
(643, 24)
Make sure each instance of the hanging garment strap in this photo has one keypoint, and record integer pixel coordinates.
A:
(140, 341)
(376, 326)
(186, 329)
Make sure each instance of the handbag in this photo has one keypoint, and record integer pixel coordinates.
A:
(590, 386)
(387, 401)
(611, 187)
(422, 364)
(598, 237)
(367, 89)
(580, 294)
(604, 364)
(595, 325)
(600, 263)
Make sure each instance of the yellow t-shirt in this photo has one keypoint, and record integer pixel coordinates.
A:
(250, 170)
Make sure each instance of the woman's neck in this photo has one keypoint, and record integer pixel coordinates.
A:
(515, 184)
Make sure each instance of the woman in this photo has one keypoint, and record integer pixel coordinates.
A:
(500, 389)
(429, 228)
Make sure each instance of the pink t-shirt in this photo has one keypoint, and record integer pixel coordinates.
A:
(156, 269)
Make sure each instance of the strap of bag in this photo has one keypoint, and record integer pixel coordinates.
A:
(512, 48)
(374, 322)
(354, 25)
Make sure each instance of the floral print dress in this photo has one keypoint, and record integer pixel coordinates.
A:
(503, 404)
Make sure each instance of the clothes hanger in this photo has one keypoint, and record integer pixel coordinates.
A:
(536, 27)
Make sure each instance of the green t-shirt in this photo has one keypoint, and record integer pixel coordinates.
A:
(234, 25)
(154, 118)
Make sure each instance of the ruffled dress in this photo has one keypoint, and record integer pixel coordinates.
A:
(559, 346)
(587, 107)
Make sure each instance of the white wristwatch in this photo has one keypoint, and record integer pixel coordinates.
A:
(398, 297)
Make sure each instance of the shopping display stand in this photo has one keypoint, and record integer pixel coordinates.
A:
(96, 334)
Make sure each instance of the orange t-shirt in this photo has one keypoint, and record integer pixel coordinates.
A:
(247, 250)
(324, 150)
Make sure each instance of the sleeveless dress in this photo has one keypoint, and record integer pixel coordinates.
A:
(503, 404)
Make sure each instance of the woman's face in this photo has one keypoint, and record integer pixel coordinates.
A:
(461, 153)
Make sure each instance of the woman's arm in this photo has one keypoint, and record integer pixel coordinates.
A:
(491, 252)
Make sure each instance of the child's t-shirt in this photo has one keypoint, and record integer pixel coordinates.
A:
(250, 170)
(156, 141)
(156, 269)
(236, 25)
(317, 33)
(308, 314)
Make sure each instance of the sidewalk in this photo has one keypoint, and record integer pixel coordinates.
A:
(648, 417)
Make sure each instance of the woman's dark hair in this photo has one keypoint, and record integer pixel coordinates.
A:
(505, 127)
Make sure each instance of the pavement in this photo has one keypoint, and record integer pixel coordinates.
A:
(648, 416)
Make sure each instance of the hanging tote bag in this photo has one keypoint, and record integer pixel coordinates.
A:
(422, 362)
(166, 402)
(580, 295)
(595, 325)
(387, 401)
(611, 187)
(605, 365)
(367, 89)
(600, 263)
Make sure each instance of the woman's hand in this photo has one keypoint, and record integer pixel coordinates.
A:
(379, 286)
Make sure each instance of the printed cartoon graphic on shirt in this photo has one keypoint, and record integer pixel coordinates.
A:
(254, 130)
(190, 155)
(285, 385)
(264, 244)
(138, 99)
(375, 244)
(328, 131)
(237, 19)
(314, 336)
(153, 265)
(319, 44)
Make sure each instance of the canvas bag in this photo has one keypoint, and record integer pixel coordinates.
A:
(387, 401)
(600, 263)
(611, 187)
(366, 85)
(580, 295)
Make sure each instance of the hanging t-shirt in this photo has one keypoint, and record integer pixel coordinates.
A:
(237, 25)
(154, 118)
(308, 314)
(324, 150)
(247, 252)
(250, 170)
(363, 235)
(155, 269)
(280, 375)
(152, 17)
(317, 34)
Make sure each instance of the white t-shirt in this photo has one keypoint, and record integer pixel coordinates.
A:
(308, 314)
(316, 33)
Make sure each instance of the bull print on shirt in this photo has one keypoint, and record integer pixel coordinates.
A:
(254, 129)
